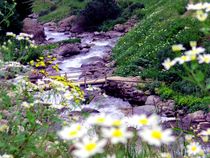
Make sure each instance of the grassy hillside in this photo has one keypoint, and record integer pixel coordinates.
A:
(142, 51)
(55, 10)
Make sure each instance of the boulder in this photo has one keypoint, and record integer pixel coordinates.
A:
(119, 28)
(146, 109)
(79, 25)
(67, 22)
(152, 100)
(68, 50)
(197, 116)
(31, 26)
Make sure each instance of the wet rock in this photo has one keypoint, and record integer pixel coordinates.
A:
(31, 26)
(68, 50)
(120, 28)
(113, 34)
(89, 110)
(146, 109)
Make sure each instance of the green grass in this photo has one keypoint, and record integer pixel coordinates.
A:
(141, 51)
(61, 9)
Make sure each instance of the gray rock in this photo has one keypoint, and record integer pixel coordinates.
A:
(69, 50)
(146, 109)
(197, 116)
(31, 26)
(152, 100)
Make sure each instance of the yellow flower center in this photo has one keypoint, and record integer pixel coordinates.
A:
(117, 133)
(206, 59)
(116, 123)
(143, 121)
(73, 133)
(100, 120)
(90, 146)
(78, 127)
(176, 48)
(184, 58)
(156, 135)
(193, 148)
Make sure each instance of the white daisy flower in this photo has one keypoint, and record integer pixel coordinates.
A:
(183, 59)
(194, 148)
(89, 147)
(201, 16)
(138, 121)
(198, 6)
(207, 6)
(72, 132)
(205, 58)
(117, 135)
(156, 136)
(168, 63)
(178, 47)
(98, 119)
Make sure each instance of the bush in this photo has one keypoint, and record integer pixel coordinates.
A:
(98, 11)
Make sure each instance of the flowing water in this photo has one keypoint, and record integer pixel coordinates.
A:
(99, 48)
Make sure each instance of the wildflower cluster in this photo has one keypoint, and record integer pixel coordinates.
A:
(19, 48)
(108, 131)
(194, 148)
(56, 94)
(202, 10)
(196, 53)
(42, 63)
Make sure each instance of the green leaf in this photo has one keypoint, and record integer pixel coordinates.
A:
(200, 76)
(31, 117)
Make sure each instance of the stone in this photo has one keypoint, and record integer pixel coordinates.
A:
(68, 50)
(208, 117)
(197, 116)
(79, 25)
(89, 110)
(152, 100)
(31, 26)
(145, 109)
(67, 22)
(119, 28)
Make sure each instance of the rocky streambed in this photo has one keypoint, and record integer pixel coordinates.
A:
(91, 58)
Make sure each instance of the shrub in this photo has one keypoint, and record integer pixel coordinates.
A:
(98, 11)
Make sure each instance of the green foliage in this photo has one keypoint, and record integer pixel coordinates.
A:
(157, 31)
(57, 10)
(20, 49)
(98, 11)
(192, 102)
